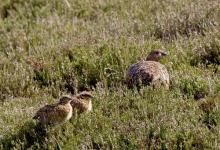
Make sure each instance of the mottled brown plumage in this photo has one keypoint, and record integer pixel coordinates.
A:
(148, 72)
(56, 113)
(82, 102)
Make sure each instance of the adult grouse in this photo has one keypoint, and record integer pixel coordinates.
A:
(148, 72)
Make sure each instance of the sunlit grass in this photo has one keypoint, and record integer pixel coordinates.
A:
(50, 48)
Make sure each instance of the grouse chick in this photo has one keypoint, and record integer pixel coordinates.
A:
(56, 113)
(82, 102)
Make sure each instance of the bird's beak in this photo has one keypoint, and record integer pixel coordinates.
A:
(164, 53)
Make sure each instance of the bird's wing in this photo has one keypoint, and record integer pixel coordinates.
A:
(47, 109)
(77, 105)
(149, 70)
(132, 73)
(61, 110)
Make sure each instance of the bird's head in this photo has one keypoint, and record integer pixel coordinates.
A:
(156, 55)
(85, 95)
(65, 100)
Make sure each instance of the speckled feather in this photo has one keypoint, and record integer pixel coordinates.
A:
(82, 102)
(147, 73)
(80, 105)
(54, 114)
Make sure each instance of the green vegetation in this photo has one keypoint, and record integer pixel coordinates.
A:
(49, 48)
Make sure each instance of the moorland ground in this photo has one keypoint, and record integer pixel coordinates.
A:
(50, 48)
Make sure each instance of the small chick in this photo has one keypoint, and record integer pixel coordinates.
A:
(56, 113)
(148, 71)
(82, 102)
